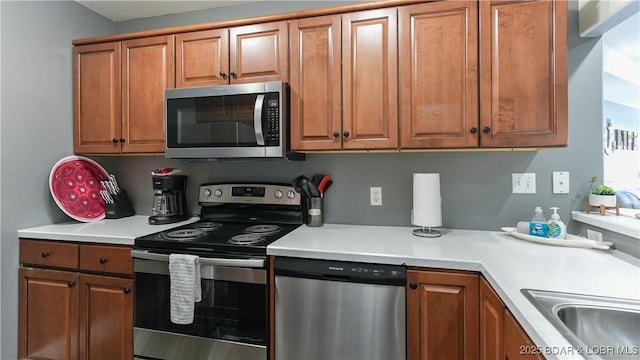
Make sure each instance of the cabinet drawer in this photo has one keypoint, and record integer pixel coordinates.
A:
(49, 254)
(108, 259)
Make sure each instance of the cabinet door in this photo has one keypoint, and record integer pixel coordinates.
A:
(106, 317)
(48, 324)
(370, 79)
(438, 75)
(517, 344)
(491, 323)
(96, 98)
(259, 53)
(442, 315)
(316, 99)
(147, 70)
(202, 58)
(523, 73)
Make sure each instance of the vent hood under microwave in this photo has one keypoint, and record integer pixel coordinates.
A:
(228, 121)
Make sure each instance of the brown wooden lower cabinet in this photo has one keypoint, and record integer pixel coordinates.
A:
(491, 323)
(457, 315)
(48, 324)
(501, 337)
(106, 317)
(442, 315)
(71, 314)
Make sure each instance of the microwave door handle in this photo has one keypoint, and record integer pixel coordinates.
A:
(246, 263)
(257, 119)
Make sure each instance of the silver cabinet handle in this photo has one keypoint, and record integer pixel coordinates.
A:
(246, 263)
(257, 119)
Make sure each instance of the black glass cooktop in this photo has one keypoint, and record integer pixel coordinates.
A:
(216, 237)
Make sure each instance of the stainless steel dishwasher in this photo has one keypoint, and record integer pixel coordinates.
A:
(339, 310)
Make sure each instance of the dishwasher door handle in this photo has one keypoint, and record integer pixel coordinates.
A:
(245, 263)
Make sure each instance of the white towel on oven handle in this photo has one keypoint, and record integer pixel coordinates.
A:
(185, 287)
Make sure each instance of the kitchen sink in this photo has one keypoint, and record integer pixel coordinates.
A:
(597, 327)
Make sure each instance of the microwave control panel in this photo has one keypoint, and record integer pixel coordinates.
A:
(272, 137)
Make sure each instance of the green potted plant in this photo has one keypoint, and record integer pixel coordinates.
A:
(601, 194)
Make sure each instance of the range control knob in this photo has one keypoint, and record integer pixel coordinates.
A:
(278, 194)
(291, 194)
(206, 193)
(217, 192)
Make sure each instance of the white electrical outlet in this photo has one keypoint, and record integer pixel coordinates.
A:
(376, 195)
(560, 182)
(523, 183)
(594, 235)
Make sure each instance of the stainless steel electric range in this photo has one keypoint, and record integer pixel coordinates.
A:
(237, 222)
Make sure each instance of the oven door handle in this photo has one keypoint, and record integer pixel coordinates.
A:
(245, 263)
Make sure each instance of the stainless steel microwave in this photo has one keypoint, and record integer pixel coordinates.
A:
(228, 121)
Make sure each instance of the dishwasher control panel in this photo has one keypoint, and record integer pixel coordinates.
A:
(341, 271)
(366, 270)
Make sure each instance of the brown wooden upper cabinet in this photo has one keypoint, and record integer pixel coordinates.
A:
(370, 80)
(471, 74)
(316, 96)
(429, 75)
(439, 75)
(119, 95)
(147, 70)
(96, 98)
(523, 73)
(522, 79)
(252, 53)
(352, 105)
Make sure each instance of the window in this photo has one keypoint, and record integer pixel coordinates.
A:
(621, 105)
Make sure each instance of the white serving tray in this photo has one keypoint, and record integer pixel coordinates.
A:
(569, 241)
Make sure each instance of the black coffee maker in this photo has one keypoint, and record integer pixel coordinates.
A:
(169, 199)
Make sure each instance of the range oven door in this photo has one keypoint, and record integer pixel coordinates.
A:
(230, 322)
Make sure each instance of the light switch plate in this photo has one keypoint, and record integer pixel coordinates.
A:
(523, 183)
(560, 182)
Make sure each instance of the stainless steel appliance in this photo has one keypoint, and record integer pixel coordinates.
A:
(339, 310)
(229, 121)
(169, 199)
(231, 321)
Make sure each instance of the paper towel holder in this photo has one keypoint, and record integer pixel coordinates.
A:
(427, 231)
(427, 205)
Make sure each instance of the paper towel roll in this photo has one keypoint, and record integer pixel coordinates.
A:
(427, 201)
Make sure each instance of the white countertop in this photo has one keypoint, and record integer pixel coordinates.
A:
(109, 231)
(507, 263)
(626, 223)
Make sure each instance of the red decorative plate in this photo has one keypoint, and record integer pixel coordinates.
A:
(75, 186)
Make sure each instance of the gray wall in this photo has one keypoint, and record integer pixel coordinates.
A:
(36, 122)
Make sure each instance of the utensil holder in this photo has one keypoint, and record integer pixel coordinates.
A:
(315, 217)
(121, 206)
